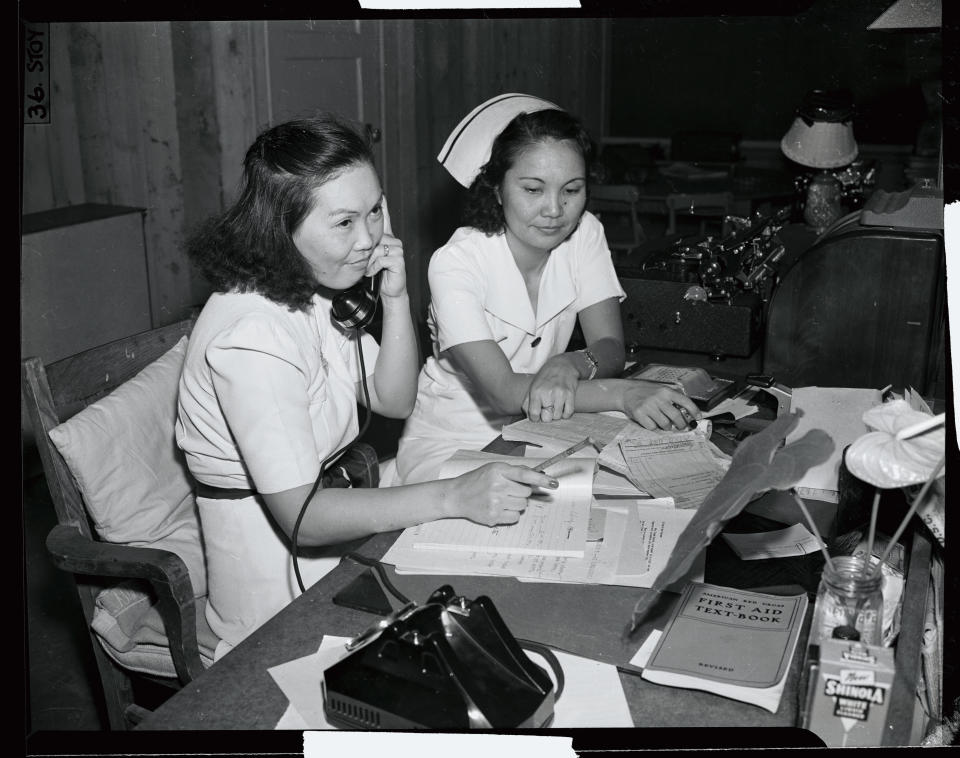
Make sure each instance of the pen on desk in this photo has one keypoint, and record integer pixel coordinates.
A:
(565, 454)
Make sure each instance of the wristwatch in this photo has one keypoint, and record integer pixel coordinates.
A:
(592, 361)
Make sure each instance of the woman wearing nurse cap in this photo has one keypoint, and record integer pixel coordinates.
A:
(508, 288)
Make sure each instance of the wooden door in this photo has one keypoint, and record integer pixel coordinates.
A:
(327, 66)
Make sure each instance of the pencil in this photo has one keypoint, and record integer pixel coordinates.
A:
(565, 454)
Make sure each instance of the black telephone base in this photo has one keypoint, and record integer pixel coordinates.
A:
(450, 664)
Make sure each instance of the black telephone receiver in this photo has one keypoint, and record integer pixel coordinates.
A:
(355, 308)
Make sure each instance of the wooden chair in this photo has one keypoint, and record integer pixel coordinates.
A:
(616, 207)
(128, 528)
(705, 207)
(54, 393)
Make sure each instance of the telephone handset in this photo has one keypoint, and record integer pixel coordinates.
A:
(355, 308)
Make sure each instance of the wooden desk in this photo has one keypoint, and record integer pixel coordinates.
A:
(238, 693)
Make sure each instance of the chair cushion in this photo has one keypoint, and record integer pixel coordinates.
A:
(131, 630)
(123, 454)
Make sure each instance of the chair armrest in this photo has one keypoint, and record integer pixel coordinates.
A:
(166, 572)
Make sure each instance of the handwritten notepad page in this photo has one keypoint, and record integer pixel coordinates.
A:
(683, 468)
(554, 523)
(597, 563)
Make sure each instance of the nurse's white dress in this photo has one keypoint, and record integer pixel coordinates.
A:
(478, 293)
(265, 395)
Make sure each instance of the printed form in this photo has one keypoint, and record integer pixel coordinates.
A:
(682, 467)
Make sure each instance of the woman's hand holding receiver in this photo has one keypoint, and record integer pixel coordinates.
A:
(495, 493)
(655, 406)
(387, 256)
(553, 390)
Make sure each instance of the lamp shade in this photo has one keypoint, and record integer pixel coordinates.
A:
(910, 14)
(821, 135)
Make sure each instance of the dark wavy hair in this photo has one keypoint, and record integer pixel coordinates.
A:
(482, 210)
(249, 247)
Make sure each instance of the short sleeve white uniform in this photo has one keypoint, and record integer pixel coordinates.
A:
(478, 293)
(266, 394)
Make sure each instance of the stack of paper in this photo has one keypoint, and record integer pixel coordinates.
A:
(611, 457)
(685, 484)
(558, 435)
(571, 538)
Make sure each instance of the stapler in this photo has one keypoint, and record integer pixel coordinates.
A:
(780, 392)
(449, 664)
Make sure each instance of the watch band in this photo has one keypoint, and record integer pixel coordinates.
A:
(592, 360)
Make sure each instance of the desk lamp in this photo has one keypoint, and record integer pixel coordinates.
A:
(821, 137)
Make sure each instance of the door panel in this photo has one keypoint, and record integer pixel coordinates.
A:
(326, 66)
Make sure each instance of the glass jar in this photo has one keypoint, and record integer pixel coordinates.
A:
(849, 596)
(823, 205)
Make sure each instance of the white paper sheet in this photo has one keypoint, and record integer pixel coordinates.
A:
(839, 412)
(299, 680)
(780, 543)
(554, 523)
(651, 534)
(613, 484)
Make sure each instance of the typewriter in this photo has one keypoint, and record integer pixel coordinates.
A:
(707, 295)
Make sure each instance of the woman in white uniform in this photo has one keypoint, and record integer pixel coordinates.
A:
(271, 382)
(508, 288)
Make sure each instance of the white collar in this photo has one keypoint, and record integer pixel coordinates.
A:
(508, 300)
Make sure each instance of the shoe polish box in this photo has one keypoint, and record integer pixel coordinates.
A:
(848, 692)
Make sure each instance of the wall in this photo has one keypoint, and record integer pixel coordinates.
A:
(748, 74)
(158, 115)
(150, 115)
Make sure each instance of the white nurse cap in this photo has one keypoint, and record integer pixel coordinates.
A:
(468, 147)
